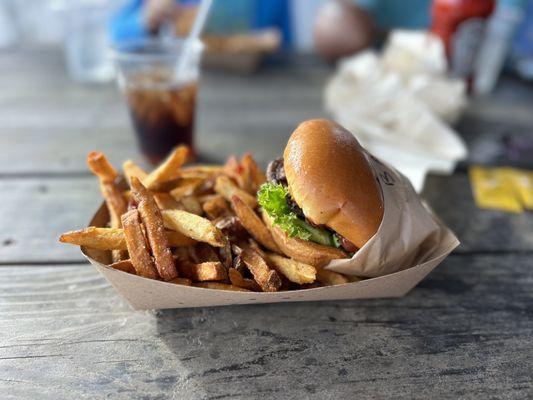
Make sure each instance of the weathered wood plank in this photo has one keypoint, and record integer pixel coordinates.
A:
(235, 114)
(478, 229)
(466, 331)
(35, 212)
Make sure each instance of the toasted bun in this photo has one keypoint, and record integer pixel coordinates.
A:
(330, 178)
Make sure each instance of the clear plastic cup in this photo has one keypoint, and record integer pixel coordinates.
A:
(161, 94)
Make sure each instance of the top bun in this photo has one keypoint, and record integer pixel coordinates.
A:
(330, 179)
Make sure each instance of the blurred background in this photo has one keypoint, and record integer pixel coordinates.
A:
(417, 81)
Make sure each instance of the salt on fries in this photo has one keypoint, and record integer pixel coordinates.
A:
(199, 225)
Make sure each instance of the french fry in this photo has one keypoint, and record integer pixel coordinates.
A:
(206, 170)
(204, 253)
(193, 226)
(295, 271)
(169, 169)
(215, 207)
(131, 169)
(181, 253)
(307, 252)
(225, 254)
(225, 187)
(186, 187)
(253, 224)
(153, 223)
(256, 175)
(115, 202)
(165, 201)
(124, 266)
(191, 205)
(330, 278)
(96, 238)
(267, 278)
(206, 271)
(178, 239)
(181, 281)
(137, 246)
(101, 167)
(219, 286)
(113, 238)
(237, 279)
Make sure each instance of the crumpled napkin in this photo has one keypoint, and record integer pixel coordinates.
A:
(398, 104)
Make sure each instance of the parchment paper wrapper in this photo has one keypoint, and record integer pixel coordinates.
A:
(409, 244)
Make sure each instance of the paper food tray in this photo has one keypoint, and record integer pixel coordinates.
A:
(409, 244)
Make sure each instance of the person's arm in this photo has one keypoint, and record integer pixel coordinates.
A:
(138, 18)
(128, 22)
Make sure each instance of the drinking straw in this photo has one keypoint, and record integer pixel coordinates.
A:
(194, 34)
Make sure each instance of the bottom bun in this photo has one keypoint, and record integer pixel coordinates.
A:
(310, 253)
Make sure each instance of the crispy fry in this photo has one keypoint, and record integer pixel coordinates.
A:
(295, 271)
(113, 238)
(193, 226)
(204, 253)
(225, 254)
(267, 278)
(131, 169)
(137, 246)
(153, 223)
(115, 202)
(253, 224)
(178, 239)
(215, 207)
(169, 169)
(186, 187)
(308, 252)
(206, 271)
(101, 167)
(124, 266)
(165, 201)
(219, 286)
(225, 187)
(330, 278)
(238, 280)
(257, 176)
(203, 169)
(181, 281)
(191, 205)
(96, 238)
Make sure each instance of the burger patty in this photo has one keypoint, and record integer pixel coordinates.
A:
(276, 174)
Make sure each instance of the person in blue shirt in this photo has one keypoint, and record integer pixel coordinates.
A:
(138, 19)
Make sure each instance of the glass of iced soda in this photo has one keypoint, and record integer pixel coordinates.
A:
(160, 91)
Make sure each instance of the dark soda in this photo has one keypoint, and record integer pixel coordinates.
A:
(163, 117)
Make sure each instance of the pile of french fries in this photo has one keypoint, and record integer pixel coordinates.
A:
(198, 225)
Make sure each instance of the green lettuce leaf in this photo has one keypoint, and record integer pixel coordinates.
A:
(273, 198)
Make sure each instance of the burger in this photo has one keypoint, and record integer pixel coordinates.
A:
(321, 200)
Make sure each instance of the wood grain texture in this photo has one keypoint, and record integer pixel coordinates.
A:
(479, 230)
(235, 114)
(466, 331)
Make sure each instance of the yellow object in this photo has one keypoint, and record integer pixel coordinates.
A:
(495, 188)
(523, 183)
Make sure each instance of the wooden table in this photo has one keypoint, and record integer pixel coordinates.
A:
(465, 332)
